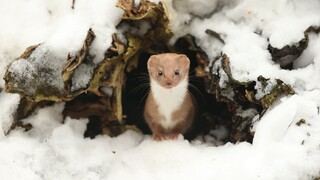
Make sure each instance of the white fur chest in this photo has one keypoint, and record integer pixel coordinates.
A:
(169, 100)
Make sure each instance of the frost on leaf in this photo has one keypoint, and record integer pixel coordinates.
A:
(36, 74)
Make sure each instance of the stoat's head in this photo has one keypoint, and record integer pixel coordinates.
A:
(168, 69)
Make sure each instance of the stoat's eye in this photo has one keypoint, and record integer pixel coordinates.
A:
(160, 73)
(177, 72)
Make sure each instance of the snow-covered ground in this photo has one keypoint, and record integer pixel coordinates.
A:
(286, 144)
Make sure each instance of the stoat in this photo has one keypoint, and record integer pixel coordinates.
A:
(169, 109)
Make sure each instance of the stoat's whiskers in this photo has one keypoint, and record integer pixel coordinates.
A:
(198, 91)
(141, 76)
(143, 80)
(144, 86)
(144, 96)
(193, 99)
(193, 78)
(140, 87)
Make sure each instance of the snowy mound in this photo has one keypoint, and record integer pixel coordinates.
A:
(287, 138)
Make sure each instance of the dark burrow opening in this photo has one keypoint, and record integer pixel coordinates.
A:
(211, 114)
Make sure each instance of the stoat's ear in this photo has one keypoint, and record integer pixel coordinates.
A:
(151, 61)
(184, 59)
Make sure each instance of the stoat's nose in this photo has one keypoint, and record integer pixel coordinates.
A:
(168, 84)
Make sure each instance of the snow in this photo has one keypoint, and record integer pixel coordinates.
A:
(8, 104)
(240, 22)
(56, 149)
(196, 7)
(81, 77)
(60, 29)
(53, 149)
(283, 21)
(310, 54)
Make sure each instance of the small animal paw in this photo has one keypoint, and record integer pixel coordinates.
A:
(173, 136)
(158, 137)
